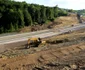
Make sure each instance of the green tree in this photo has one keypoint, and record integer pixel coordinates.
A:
(50, 13)
(21, 18)
(16, 26)
(55, 11)
(27, 18)
(12, 28)
(43, 14)
(15, 15)
(1, 29)
(32, 11)
(62, 12)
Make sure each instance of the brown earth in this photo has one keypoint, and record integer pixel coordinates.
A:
(63, 52)
(57, 55)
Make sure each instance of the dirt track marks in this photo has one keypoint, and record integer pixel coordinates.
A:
(42, 57)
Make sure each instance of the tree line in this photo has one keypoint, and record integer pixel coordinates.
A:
(16, 15)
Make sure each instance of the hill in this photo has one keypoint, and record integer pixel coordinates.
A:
(16, 15)
(59, 22)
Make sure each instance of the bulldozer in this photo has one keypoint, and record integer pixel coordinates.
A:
(34, 42)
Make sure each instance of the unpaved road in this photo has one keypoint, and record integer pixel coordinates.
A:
(41, 34)
(11, 41)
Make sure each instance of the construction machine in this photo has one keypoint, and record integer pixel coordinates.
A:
(34, 42)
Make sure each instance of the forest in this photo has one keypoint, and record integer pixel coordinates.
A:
(15, 15)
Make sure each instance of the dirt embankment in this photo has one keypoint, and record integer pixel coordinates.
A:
(42, 58)
(57, 23)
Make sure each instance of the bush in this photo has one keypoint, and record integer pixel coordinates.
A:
(52, 19)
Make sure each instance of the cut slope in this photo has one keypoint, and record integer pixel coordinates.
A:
(58, 22)
(67, 21)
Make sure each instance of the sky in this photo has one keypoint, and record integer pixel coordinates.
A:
(68, 4)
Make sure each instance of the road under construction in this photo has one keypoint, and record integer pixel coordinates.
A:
(17, 40)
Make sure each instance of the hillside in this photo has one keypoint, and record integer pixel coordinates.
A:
(16, 15)
(57, 23)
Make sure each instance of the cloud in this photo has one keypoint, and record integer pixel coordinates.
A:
(75, 4)
(72, 4)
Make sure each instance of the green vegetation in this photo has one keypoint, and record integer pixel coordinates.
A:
(82, 12)
(16, 15)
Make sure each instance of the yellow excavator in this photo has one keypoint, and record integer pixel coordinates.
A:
(34, 42)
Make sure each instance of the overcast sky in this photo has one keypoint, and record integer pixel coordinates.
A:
(70, 4)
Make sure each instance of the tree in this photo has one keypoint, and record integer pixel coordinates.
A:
(70, 10)
(21, 18)
(55, 11)
(50, 13)
(15, 15)
(32, 11)
(1, 29)
(43, 14)
(16, 26)
(37, 15)
(62, 12)
(12, 28)
(27, 18)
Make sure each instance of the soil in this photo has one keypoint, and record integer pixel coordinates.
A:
(66, 55)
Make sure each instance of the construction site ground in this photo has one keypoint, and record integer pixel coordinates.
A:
(63, 52)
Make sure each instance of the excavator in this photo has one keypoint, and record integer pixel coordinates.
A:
(34, 42)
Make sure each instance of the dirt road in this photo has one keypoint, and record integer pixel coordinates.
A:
(41, 34)
(20, 39)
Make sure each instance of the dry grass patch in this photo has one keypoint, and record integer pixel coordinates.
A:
(66, 21)
(67, 36)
